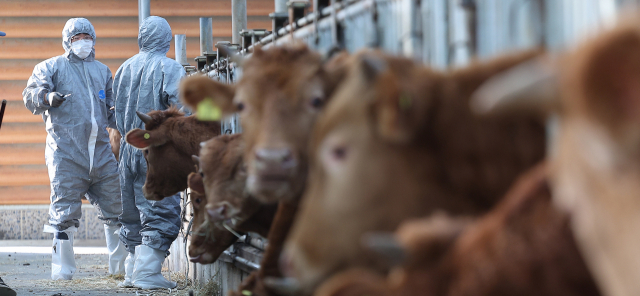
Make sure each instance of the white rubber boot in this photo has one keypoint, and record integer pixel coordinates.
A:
(63, 263)
(128, 274)
(117, 251)
(147, 270)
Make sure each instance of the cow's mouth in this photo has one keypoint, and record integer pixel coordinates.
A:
(195, 259)
(273, 178)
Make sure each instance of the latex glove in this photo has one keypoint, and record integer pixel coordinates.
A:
(55, 99)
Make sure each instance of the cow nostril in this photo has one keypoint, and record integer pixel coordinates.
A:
(275, 156)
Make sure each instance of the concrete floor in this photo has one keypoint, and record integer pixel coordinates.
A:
(25, 265)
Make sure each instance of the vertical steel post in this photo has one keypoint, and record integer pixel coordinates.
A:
(206, 35)
(181, 49)
(281, 6)
(144, 10)
(238, 19)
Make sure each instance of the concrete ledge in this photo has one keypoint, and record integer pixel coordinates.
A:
(26, 223)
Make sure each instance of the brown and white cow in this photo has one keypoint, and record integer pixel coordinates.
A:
(398, 140)
(595, 161)
(279, 96)
(223, 177)
(168, 142)
(524, 246)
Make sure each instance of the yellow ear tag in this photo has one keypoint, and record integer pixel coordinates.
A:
(208, 111)
(147, 136)
(246, 293)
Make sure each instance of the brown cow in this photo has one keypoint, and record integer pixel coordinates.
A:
(522, 247)
(398, 140)
(595, 170)
(278, 97)
(168, 141)
(222, 177)
(207, 242)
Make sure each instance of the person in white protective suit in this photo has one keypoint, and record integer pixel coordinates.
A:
(72, 92)
(147, 81)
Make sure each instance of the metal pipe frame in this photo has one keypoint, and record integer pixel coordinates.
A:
(238, 19)
(206, 35)
(144, 10)
(181, 49)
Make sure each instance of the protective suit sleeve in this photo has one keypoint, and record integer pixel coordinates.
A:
(114, 95)
(40, 83)
(170, 83)
(109, 100)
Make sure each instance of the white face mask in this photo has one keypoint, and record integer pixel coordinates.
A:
(82, 48)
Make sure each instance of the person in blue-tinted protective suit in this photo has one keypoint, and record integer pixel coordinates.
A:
(72, 92)
(147, 81)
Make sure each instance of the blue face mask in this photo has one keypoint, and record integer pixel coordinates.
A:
(82, 48)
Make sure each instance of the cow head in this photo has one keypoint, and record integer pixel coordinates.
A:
(207, 241)
(398, 141)
(281, 92)
(224, 175)
(595, 159)
(168, 141)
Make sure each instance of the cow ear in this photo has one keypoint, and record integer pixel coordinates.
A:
(195, 183)
(608, 78)
(143, 139)
(336, 68)
(204, 94)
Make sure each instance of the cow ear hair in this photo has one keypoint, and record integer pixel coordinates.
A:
(336, 68)
(609, 75)
(195, 183)
(143, 139)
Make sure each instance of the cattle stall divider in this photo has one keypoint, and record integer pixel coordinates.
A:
(443, 34)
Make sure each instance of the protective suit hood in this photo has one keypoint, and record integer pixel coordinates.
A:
(74, 27)
(154, 35)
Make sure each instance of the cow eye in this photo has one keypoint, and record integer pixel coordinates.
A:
(198, 200)
(339, 153)
(202, 174)
(317, 102)
(240, 106)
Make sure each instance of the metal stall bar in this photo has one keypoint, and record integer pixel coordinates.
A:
(144, 10)
(238, 19)
(181, 49)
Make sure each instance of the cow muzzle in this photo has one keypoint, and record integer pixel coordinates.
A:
(151, 195)
(271, 173)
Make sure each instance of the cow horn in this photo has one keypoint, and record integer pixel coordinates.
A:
(532, 85)
(144, 117)
(235, 57)
(283, 286)
(373, 65)
(386, 245)
(195, 159)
